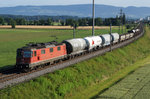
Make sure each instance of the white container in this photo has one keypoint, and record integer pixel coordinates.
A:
(122, 38)
(93, 42)
(131, 35)
(137, 30)
(115, 37)
(133, 31)
(106, 39)
(127, 36)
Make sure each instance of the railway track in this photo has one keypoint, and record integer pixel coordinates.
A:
(13, 77)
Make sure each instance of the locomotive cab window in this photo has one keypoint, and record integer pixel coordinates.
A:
(51, 49)
(58, 48)
(42, 51)
(19, 53)
(34, 53)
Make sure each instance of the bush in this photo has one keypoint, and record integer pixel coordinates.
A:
(13, 24)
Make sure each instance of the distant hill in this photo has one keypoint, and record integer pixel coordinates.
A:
(76, 10)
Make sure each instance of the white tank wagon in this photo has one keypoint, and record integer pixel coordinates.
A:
(133, 31)
(127, 36)
(115, 37)
(106, 39)
(131, 35)
(137, 30)
(75, 45)
(93, 42)
(122, 37)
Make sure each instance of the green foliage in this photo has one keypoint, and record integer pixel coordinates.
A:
(20, 21)
(2, 22)
(61, 20)
(13, 23)
(62, 23)
(98, 22)
(83, 22)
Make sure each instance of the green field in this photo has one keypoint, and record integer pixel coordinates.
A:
(80, 80)
(11, 39)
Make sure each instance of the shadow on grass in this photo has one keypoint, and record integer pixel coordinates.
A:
(9, 69)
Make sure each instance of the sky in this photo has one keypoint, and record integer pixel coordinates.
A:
(120, 3)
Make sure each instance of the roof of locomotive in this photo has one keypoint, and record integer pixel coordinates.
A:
(41, 45)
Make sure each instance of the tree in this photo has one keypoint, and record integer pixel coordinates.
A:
(2, 21)
(75, 24)
(36, 22)
(62, 23)
(41, 22)
(82, 22)
(90, 22)
(128, 26)
(20, 21)
(124, 18)
(13, 23)
(107, 21)
(98, 22)
(48, 22)
(69, 22)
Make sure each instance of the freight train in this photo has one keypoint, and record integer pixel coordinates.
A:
(36, 55)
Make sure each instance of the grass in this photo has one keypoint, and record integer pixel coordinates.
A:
(73, 81)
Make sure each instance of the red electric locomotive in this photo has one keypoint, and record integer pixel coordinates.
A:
(39, 54)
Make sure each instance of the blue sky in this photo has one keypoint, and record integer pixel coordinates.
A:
(122, 3)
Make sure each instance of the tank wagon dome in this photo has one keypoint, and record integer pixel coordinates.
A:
(75, 45)
(115, 37)
(106, 39)
(93, 42)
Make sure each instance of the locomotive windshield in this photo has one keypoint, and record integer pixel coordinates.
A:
(27, 54)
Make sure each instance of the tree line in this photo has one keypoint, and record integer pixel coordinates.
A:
(67, 22)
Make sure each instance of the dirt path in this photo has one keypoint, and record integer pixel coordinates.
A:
(134, 86)
(54, 27)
